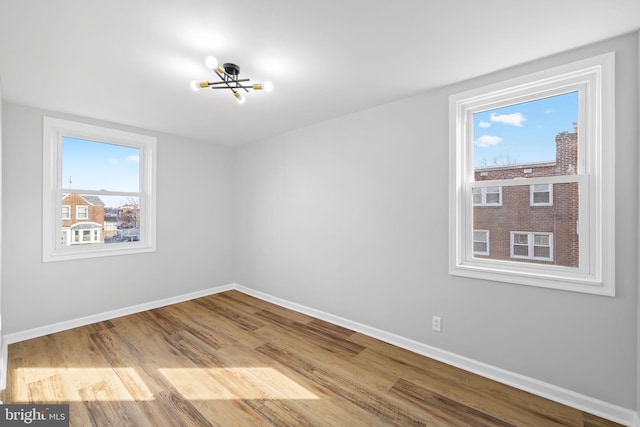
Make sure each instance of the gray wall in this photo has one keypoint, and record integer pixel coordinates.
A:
(350, 216)
(194, 232)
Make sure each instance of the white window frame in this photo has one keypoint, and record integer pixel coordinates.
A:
(487, 234)
(53, 131)
(80, 208)
(532, 192)
(531, 245)
(94, 235)
(63, 216)
(483, 192)
(593, 78)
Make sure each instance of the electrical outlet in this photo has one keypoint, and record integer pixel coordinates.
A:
(436, 324)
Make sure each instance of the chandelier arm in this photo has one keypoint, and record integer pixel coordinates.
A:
(232, 88)
(224, 80)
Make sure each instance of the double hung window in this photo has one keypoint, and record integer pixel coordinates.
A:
(98, 191)
(532, 166)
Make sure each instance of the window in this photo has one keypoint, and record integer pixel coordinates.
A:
(487, 196)
(544, 139)
(82, 212)
(481, 242)
(541, 195)
(536, 246)
(66, 212)
(86, 233)
(106, 178)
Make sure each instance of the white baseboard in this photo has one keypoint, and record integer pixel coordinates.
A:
(531, 385)
(540, 388)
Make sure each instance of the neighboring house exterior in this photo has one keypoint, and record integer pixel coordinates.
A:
(529, 223)
(129, 222)
(82, 219)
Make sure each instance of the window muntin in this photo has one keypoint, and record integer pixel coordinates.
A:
(590, 173)
(125, 166)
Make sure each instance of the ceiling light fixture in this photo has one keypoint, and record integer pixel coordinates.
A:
(228, 74)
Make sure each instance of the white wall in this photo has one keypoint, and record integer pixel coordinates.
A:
(194, 232)
(350, 217)
(638, 264)
(2, 351)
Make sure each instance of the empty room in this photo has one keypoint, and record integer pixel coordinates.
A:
(271, 213)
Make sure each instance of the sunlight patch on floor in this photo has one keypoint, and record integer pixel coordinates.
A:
(235, 383)
(89, 384)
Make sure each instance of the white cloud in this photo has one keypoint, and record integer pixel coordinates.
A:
(550, 111)
(134, 159)
(112, 161)
(514, 119)
(484, 124)
(488, 141)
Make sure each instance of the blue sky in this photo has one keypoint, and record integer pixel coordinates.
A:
(522, 133)
(98, 166)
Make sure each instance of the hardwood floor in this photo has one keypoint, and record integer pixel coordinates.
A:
(234, 360)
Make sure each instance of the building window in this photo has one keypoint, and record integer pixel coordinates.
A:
(541, 195)
(84, 236)
(481, 242)
(82, 212)
(487, 196)
(535, 246)
(545, 139)
(96, 173)
(66, 212)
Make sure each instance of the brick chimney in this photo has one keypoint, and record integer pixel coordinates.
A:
(567, 152)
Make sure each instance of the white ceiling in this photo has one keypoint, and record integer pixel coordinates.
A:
(131, 61)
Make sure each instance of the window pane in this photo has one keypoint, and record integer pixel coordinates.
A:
(98, 166)
(541, 134)
(477, 196)
(541, 252)
(531, 225)
(521, 239)
(493, 198)
(541, 187)
(521, 250)
(110, 219)
(480, 236)
(541, 240)
(540, 197)
(479, 247)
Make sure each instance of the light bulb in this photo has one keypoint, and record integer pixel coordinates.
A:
(267, 86)
(239, 97)
(211, 62)
(195, 85)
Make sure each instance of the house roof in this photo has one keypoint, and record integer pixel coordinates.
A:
(92, 200)
(123, 62)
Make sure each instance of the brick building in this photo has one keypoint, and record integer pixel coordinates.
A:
(82, 219)
(529, 223)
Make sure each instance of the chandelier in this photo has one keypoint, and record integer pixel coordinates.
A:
(229, 79)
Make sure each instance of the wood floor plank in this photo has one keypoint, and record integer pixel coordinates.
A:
(510, 404)
(236, 297)
(233, 360)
